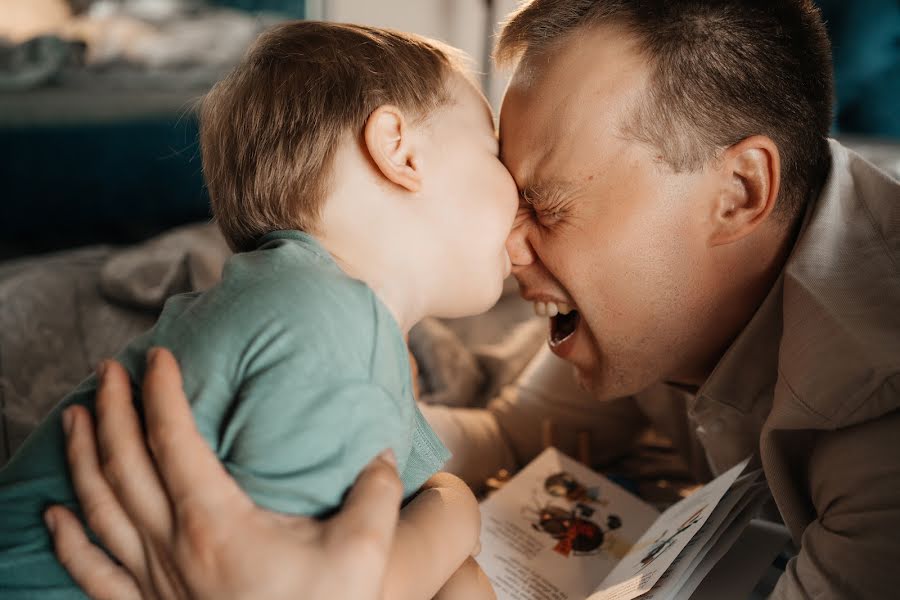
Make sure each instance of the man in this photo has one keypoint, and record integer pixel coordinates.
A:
(710, 264)
(724, 268)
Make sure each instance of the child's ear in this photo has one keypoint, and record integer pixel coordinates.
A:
(389, 142)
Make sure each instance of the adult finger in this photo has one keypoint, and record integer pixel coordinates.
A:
(189, 469)
(368, 519)
(99, 504)
(123, 453)
(90, 567)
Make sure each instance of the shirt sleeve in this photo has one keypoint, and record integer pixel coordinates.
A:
(296, 448)
(428, 455)
(850, 550)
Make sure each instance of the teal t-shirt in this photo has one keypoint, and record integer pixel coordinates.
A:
(297, 375)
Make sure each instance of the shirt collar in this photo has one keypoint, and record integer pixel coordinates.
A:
(306, 240)
(748, 370)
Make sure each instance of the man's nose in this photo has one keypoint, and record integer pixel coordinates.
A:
(521, 253)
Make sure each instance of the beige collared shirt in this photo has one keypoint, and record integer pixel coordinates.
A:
(812, 385)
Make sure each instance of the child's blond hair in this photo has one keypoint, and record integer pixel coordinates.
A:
(269, 130)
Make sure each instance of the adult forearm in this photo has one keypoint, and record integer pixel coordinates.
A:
(475, 438)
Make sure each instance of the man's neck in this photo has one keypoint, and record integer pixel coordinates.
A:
(762, 264)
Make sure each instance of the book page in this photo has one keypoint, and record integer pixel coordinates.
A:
(740, 504)
(557, 529)
(688, 565)
(742, 567)
(661, 544)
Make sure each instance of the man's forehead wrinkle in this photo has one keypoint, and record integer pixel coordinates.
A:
(584, 106)
(550, 145)
(552, 115)
(603, 68)
(525, 143)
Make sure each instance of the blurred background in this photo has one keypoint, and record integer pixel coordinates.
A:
(97, 124)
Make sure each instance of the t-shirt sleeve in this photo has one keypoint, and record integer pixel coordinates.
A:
(296, 442)
(303, 413)
(428, 454)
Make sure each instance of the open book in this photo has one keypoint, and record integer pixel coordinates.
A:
(559, 531)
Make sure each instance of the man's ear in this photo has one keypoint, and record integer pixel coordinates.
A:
(751, 178)
(388, 140)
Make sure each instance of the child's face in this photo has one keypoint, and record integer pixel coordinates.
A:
(475, 202)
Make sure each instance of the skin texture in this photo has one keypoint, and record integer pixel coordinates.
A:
(665, 267)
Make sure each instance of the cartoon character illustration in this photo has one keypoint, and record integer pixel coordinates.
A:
(573, 529)
(664, 542)
(564, 485)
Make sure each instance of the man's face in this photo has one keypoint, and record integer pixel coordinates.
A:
(604, 224)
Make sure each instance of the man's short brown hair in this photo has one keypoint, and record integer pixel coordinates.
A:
(722, 71)
(270, 129)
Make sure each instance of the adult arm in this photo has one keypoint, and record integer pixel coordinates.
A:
(509, 432)
(850, 550)
(181, 527)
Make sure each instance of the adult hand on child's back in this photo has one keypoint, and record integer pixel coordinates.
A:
(182, 528)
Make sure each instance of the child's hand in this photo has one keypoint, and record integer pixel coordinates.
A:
(438, 532)
(182, 528)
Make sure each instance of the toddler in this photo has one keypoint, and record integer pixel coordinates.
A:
(355, 173)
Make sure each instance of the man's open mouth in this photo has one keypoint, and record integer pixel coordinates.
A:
(564, 319)
(562, 327)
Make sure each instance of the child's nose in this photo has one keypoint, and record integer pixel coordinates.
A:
(518, 247)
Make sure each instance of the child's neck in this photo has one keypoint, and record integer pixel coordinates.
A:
(393, 290)
(371, 247)
(373, 235)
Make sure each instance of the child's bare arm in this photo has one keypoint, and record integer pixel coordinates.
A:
(437, 532)
(468, 583)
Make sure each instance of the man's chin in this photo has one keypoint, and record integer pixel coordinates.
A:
(585, 379)
(598, 386)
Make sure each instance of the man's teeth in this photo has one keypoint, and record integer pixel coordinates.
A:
(551, 309)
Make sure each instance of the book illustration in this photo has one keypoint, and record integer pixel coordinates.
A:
(575, 533)
(664, 542)
(564, 485)
(573, 526)
(559, 531)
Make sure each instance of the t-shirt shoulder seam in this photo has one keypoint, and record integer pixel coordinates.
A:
(373, 337)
